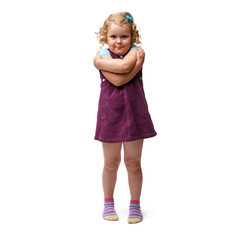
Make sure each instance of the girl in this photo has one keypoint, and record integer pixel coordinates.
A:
(123, 118)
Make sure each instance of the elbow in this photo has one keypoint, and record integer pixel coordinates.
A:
(117, 84)
(95, 62)
(117, 81)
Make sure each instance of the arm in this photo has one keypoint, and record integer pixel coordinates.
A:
(121, 79)
(107, 63)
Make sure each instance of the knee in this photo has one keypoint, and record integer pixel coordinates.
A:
(133, 164)
(112, 164)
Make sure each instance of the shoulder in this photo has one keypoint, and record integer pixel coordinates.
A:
(133, 48)
(104, 52)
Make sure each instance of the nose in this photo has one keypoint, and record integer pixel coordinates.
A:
(119, 40)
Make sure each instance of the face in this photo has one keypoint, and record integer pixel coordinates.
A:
(119, 38)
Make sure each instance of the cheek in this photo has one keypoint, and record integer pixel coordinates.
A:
(109, 43)
(129, 40)
(128, 43)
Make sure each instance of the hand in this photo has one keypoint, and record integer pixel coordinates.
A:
(140, 57)
(96, 58)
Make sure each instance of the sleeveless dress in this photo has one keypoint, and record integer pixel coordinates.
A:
(123, 114)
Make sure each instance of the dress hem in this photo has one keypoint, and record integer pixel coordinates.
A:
(126, 139)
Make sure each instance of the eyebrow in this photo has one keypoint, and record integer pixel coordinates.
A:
(122, 34)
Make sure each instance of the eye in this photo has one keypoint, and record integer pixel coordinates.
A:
(112, 36)
(124, 36)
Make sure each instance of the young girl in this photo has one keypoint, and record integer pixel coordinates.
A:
(123, 118)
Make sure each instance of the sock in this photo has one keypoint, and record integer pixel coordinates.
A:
(109, 211)
(135, 214)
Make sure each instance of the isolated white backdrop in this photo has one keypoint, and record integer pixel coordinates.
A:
(50, 166)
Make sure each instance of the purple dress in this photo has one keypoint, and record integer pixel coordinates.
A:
(123, 111)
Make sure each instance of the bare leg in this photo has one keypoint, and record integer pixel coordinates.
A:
(112, 159)
(132, 159)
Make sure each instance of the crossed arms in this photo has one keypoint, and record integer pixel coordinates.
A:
(120, 71)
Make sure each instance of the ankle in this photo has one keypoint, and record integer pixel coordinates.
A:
(135, 201)
(108, 199)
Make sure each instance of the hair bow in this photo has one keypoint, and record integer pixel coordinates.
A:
(129, 18)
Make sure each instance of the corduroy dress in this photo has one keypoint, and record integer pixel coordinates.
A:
(123, 114)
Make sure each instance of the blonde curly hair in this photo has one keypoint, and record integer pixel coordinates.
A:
(119, 19)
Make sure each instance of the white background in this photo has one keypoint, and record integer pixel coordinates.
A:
(50, 166)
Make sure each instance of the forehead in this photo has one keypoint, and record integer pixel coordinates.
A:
(119, 29)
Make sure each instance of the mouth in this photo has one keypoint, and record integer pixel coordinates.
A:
(119, 48)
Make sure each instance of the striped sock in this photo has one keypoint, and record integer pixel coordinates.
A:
(135, 214)
(109, 211)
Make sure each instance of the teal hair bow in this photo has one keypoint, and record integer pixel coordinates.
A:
(129, 18)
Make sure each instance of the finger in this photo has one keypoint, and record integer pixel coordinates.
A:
(141, 52)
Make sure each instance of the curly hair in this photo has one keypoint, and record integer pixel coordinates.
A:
(119, 19)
